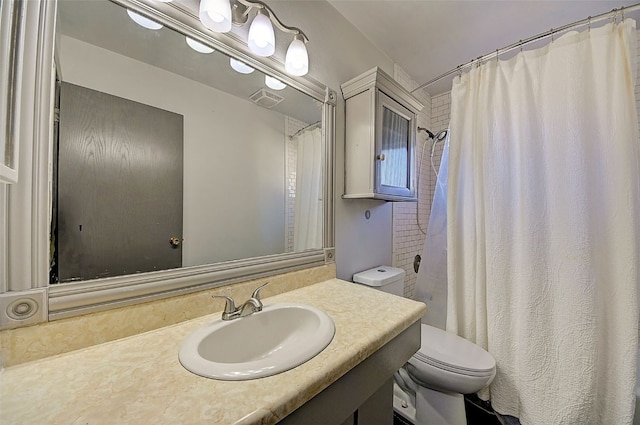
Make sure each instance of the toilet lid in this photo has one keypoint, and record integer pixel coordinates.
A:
(450, 352)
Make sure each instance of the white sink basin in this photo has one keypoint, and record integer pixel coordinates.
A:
(278, 338)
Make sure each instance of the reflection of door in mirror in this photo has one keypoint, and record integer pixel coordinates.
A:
(119, 186)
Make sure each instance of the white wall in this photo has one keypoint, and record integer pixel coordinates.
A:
(337, 53)
(219, 147)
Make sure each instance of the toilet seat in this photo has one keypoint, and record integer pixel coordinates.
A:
(452, 353)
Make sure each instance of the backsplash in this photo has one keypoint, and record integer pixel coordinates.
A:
(31, 343)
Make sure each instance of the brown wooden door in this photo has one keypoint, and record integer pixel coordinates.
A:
(119, 186)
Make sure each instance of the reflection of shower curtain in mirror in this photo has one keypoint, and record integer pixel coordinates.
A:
(308, 213)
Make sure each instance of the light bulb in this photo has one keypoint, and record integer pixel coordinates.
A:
(216, 15)
(198, 47)
(274, 83)
(143, 21)
(240, 67)
(262, 40)
(297, 59)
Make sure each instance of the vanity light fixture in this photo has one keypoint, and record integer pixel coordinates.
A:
(219, 15)
(143, 20)
(216, 15)
(198, 47)
(262, 40)
(297, 60)
(240, 66)
(274, 83)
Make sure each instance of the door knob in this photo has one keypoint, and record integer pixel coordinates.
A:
(381, 157)
(174, 242)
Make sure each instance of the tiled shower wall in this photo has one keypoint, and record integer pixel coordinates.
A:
(408, 238)
(409, 228)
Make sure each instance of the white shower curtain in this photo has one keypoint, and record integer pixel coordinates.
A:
(544, 226)
(308, 205)
(431, 282)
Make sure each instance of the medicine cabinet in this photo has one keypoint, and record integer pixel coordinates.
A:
(380, 138)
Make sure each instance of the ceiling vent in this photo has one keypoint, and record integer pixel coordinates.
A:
(266, 98)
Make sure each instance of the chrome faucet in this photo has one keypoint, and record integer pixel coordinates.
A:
(252, 305)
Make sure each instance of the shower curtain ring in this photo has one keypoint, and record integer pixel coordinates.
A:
(552, 35)
(589, 25)
(497, 55)
(521, 46)
(615, 15)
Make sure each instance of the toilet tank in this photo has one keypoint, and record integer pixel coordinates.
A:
(383, 278)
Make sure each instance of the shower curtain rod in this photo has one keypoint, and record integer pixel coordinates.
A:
(613, 13)
(309, 127)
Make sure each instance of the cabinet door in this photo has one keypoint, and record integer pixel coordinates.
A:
(395, 135)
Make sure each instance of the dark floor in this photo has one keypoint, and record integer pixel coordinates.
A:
(478, 413)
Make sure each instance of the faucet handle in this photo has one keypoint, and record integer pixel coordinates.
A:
(256, 293)
(229, 306)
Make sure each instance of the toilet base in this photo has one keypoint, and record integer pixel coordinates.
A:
(403, 404)
(435, 407)
(431, 407)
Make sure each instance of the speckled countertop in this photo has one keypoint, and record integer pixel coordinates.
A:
(139, 380)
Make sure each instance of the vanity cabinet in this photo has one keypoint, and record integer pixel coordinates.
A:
(364, 395)
(380, 138)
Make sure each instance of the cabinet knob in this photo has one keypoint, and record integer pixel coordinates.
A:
(381, 157)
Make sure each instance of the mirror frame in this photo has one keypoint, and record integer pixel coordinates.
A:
(25, 294)
(11, 25)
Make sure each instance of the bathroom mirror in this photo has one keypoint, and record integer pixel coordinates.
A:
(243, 207)
(135, 194)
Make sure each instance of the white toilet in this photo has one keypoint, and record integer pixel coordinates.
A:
(429, 388)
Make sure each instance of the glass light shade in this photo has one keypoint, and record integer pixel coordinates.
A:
(240, 67)
(297, 60)
(274, 83)
(216, 15)
(262, 40)
(143, 21)
(165, 1)
(199, 47)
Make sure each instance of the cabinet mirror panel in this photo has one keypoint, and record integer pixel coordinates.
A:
(167, 157)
